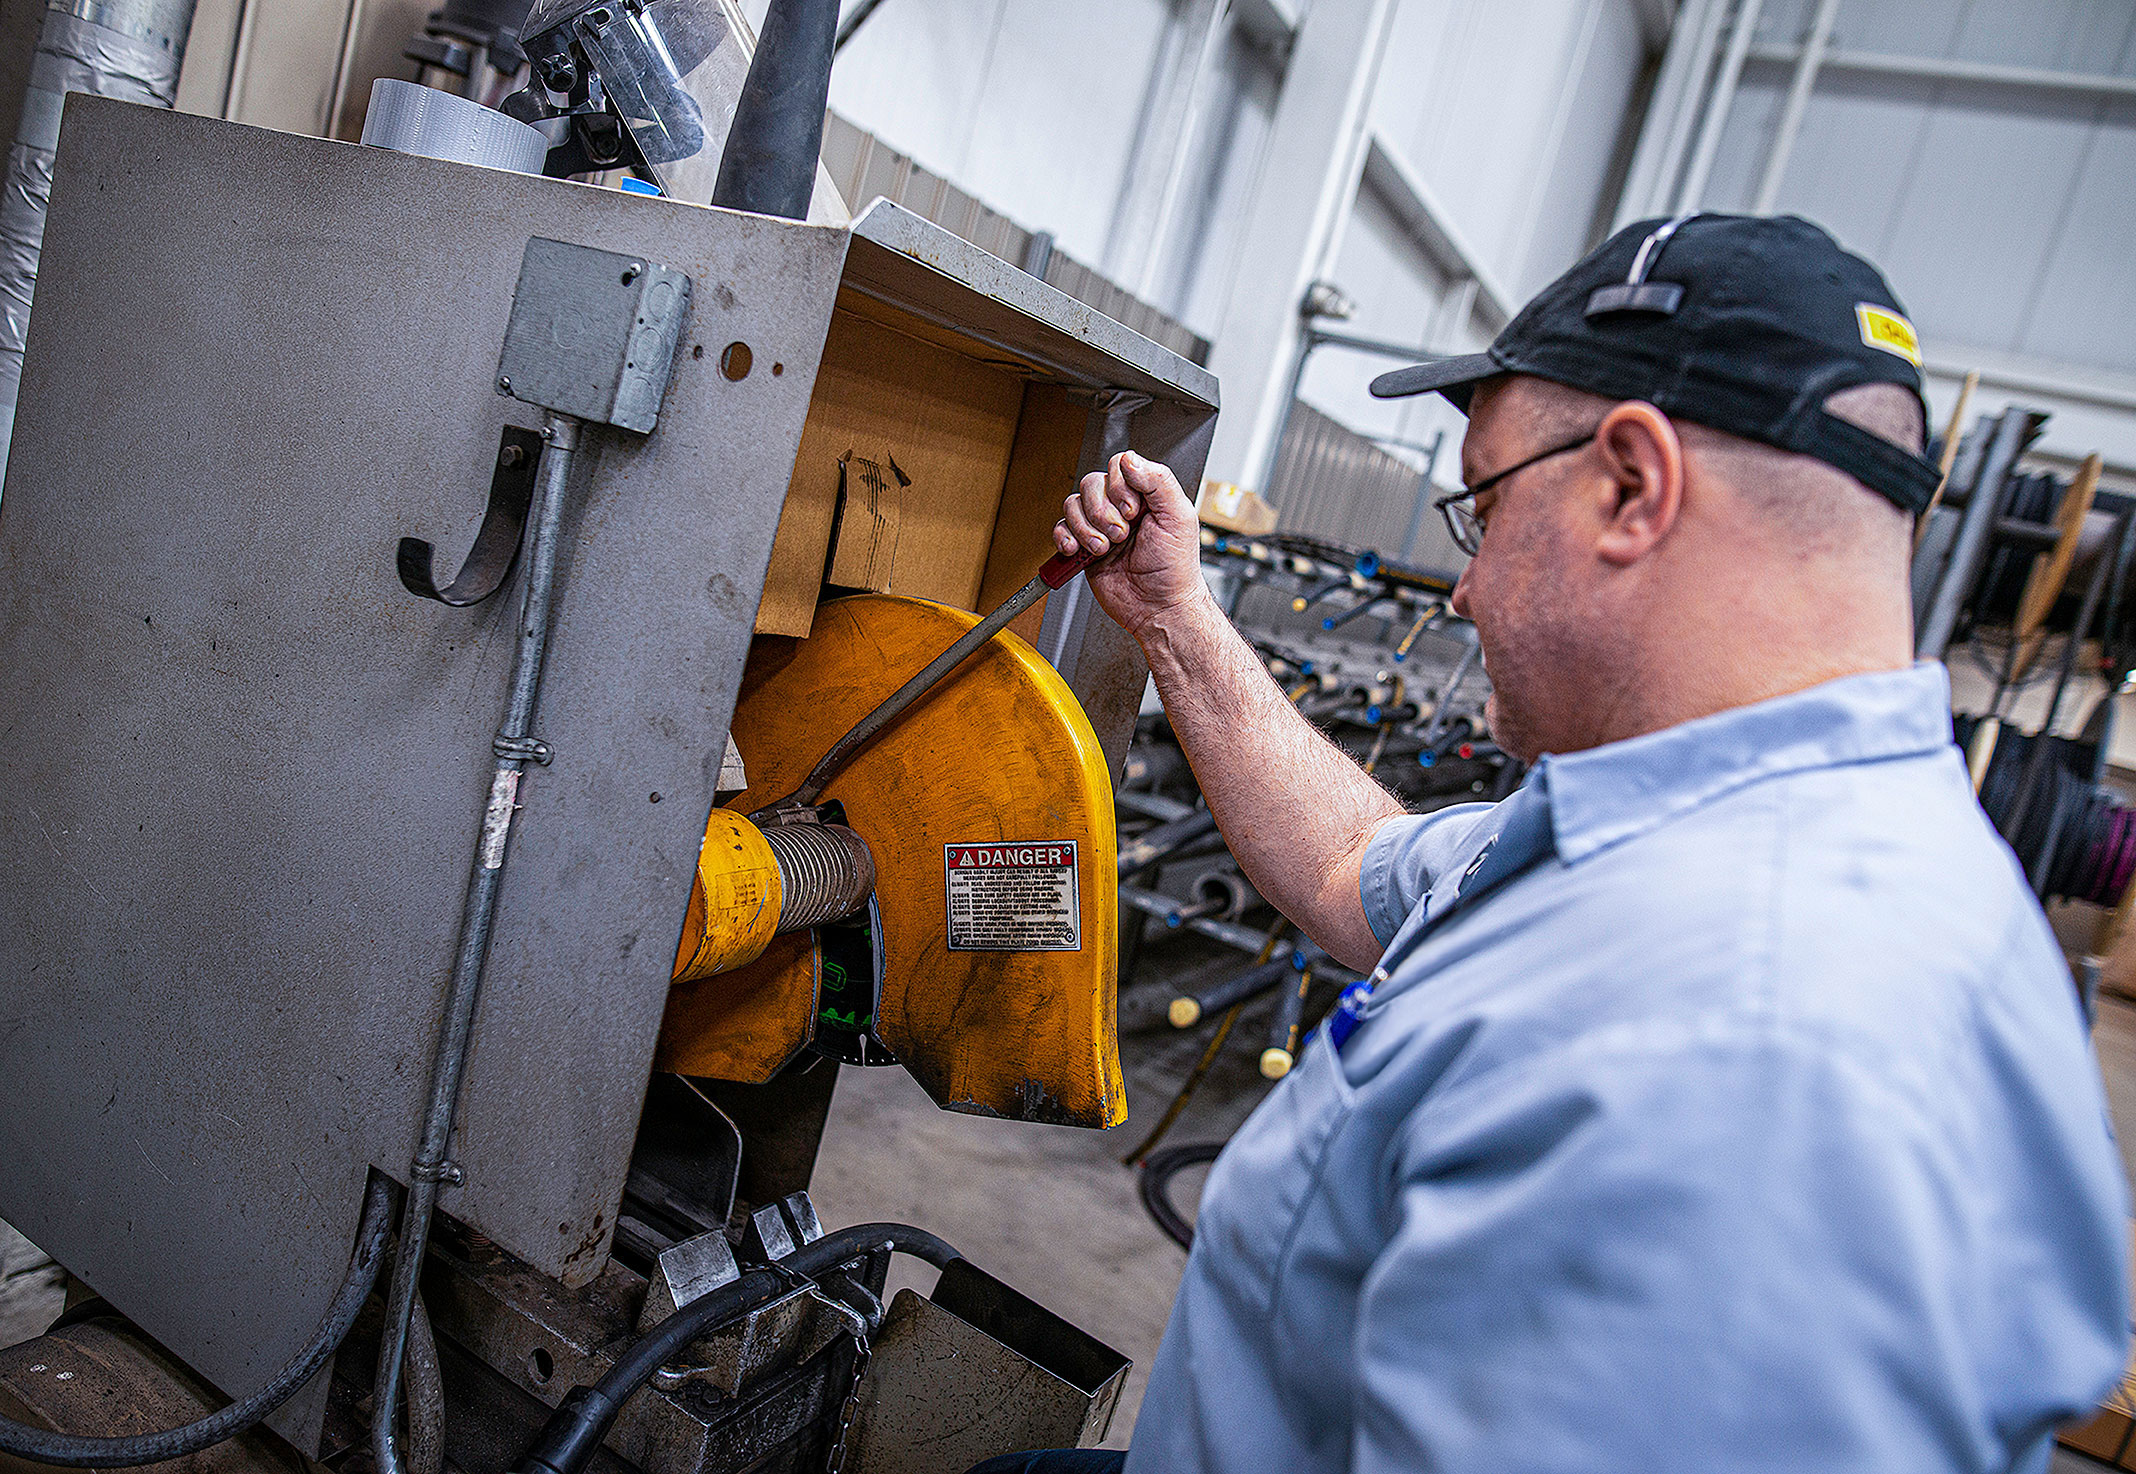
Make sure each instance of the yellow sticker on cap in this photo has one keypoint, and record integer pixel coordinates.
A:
(1888, 331)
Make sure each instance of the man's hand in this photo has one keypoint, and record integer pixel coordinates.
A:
(1295, 810)
(1161, 568)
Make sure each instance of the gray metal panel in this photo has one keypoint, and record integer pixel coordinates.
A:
(1100, 661)
(241, 767)
(1028, 316)
(1999, 209)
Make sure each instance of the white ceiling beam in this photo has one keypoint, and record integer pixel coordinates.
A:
(1953, 69)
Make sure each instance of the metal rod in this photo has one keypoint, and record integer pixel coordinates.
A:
(1970, 547)
(864, 731)
(1424, 499)
(1282, 1051)
(1717, 106)
(1445, 703)
(1152, 805)
(511, 751)
(1385, 347)
(1798, 102)
(1151, 903)
(1337, 621)
(1242, 987)
(1956, 69)
(2037, 757)
(1208, 1057)
(1308, 340)
(1302, 602)
(1401, 651)
(1659, 152)
(1155, 844)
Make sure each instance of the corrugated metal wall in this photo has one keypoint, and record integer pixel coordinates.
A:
(1332, 483)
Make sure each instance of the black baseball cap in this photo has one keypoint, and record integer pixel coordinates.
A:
(1746, 324)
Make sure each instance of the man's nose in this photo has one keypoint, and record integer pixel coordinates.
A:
(1460, 599)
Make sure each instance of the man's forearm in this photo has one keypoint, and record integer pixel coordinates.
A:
(1296, 811)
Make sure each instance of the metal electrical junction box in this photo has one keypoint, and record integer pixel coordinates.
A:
(240, 763)
(592, 334)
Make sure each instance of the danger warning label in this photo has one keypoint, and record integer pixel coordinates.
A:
(1018, 897)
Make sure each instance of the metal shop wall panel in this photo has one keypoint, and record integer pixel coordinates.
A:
(241, 767)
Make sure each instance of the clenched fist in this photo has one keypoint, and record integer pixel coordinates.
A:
(1160, 569)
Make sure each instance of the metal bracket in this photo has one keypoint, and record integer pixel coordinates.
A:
(521, 749)
(489, 561)
(448, 1173)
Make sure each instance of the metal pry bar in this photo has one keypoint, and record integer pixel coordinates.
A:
(1056, 572)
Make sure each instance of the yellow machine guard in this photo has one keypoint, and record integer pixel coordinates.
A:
(996, 764)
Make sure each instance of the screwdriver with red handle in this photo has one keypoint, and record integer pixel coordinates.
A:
(1056, 572)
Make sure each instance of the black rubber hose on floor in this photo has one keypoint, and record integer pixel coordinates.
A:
(1156, 1176)
(567, 1442)
(75, 1451)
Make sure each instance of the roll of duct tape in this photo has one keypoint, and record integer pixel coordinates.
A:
(414, 119)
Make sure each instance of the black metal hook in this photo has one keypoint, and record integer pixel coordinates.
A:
(489, 561)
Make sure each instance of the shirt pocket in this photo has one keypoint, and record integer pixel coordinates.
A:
(1258, 1190)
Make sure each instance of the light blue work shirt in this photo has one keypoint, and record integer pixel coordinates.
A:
(1754, 1127)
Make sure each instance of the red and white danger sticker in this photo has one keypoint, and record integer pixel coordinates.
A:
(1015, 897)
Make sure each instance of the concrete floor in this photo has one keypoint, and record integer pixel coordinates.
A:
(1051, 1209)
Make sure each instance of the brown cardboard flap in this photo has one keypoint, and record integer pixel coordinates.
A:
(947, 421)
(871, 511)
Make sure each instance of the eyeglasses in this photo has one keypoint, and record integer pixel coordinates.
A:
(1459, 510)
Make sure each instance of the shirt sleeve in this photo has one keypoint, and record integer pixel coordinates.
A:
(1715, 1255)
(1403, 858)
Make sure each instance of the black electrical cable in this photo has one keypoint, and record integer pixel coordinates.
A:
(1156, 1176)
(2077, 839)
(567, 1442)
(75, 1451)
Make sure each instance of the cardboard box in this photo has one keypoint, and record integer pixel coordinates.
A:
(2107, 1435)
(922, 470)
(1234, 509)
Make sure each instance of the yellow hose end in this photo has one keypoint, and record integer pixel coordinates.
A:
(1298, 604)
(734, 901)
(1275, 1063)
(1184, 1013)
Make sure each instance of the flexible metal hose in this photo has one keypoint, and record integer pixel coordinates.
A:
(825, 872)
(75, 1451)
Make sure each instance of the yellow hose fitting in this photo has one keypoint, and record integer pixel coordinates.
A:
(734, 902)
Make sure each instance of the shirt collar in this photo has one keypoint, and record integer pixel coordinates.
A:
(1608, 794)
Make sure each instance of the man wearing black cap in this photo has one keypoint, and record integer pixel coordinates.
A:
(1720, 1100)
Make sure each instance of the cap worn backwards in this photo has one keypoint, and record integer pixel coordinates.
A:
(1745, 324)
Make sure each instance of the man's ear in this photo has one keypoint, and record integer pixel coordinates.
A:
(1644, 459)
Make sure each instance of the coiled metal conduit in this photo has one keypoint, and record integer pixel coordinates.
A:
(825, 872)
